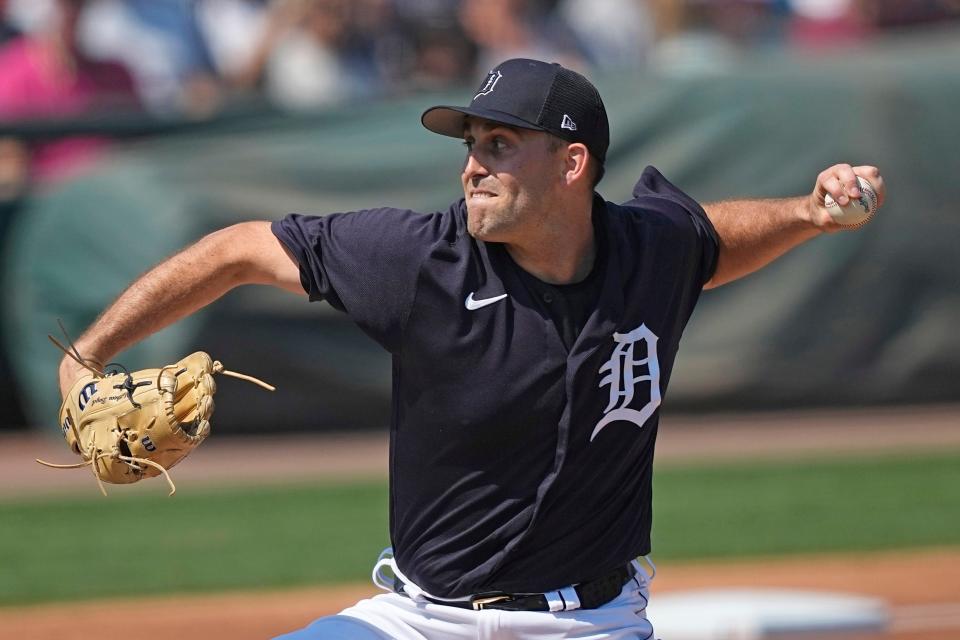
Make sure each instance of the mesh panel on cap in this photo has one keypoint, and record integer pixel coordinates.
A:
(573, 95)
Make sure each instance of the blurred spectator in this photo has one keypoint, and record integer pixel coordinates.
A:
(430, 50)
(189, 57)
(396, 51)
(232, 30)
(7, 30)
(750, 24)
(28, 15)
(688, 41)
(504, 29)
(14, 163)
(615, 34)
(904, 13)
(827, 23)
(46, 76)
(311, 54)
(162, 43)
(443, 57)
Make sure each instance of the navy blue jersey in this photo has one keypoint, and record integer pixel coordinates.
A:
(517, 464)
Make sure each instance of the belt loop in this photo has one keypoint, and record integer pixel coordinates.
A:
(383, 581)
(570, 598)
(555, 601)
(380, 579)
(565, 599)
(653, 568)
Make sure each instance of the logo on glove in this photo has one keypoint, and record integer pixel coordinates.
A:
(85, 394)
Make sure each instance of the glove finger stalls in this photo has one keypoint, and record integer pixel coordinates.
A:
(167, 380)
(206, 385)
(188, 401)
(205, 408)
(203, 429)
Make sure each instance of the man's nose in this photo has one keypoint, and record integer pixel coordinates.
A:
(473, 169)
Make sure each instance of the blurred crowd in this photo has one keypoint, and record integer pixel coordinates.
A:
(74, 59)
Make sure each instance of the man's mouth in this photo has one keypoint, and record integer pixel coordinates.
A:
(482, 195)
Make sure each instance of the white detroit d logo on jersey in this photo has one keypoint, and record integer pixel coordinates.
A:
(620, 376)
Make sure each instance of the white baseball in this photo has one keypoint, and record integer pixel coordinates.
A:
(857, 211)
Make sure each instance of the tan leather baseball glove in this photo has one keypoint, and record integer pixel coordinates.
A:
(130, 426)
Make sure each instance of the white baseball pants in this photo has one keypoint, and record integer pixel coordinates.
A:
(392, 616)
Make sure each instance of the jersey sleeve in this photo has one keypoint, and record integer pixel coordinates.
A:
(655, 192)
(363, 263)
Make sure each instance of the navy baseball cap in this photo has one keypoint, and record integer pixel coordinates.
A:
(531, 94)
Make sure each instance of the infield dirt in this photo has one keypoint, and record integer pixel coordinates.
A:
(346, 457)
(922, 588)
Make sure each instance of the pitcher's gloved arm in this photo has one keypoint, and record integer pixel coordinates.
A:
(245, 253)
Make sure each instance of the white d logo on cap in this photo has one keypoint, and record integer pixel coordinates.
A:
(491, 82)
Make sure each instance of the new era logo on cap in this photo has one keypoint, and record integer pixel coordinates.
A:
(531, 94)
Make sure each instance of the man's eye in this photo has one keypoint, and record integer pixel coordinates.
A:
(468, 144)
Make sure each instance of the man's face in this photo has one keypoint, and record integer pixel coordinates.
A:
(509, 178)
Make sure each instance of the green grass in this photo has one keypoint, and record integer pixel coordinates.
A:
(241, 538)
(284, 536)
(776, 508)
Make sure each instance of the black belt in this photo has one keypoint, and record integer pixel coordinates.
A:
(591, 594)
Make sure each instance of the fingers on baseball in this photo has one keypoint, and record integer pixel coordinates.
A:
(839, 182)
(872, 175)
(828, 183)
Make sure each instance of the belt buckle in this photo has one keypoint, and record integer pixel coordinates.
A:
(480, 603)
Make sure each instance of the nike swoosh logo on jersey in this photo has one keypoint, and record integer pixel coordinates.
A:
(473, 305)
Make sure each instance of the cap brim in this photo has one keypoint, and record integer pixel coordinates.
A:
(448, 121)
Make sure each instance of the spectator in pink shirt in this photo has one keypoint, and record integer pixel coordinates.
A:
(45, 76)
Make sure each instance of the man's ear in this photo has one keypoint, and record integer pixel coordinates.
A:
(575, 163)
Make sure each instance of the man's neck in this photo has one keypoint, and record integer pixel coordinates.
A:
(562, 253)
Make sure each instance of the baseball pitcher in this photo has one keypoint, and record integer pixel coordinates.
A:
(533, 327)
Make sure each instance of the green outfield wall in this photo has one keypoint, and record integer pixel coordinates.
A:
(859, 318)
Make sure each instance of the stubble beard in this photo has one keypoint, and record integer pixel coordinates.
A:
(490, 224)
